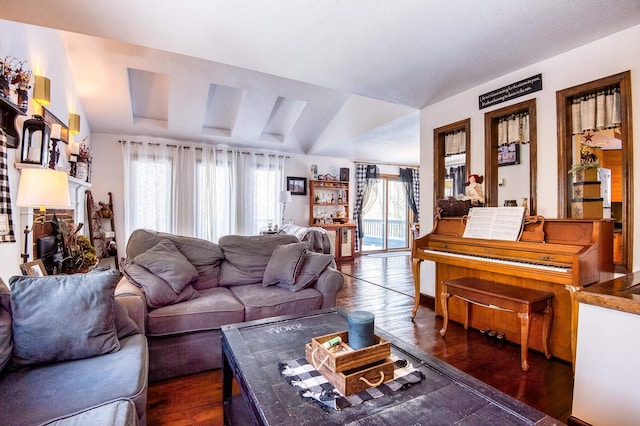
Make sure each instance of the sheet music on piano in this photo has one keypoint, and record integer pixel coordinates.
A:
(495, 223)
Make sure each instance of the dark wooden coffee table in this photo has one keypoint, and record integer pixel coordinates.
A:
(252, 350)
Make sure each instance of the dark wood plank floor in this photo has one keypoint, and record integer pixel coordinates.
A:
(383, 284)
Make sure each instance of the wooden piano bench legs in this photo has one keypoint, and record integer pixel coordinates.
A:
(488, 294)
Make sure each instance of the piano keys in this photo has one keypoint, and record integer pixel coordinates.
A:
(573, 255)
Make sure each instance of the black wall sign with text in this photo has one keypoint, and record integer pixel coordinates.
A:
(514, 90)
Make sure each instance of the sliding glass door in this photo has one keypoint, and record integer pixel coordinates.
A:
(386, 217)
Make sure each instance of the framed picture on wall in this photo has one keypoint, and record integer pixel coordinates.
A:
(297, 185)
(509, 155)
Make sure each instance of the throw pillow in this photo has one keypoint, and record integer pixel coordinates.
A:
(165, 261)
(204, 255)
(63, 317)
(157, 291)
(246, 257)
(6, 342)
(125, 326)
(284, 264)
(312, 266)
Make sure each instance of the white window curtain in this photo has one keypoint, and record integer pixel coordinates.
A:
(147, 183)
(596, 111)
(260, 180)
(200, 191)
(455, 143)
(514, 129)
(216, 196)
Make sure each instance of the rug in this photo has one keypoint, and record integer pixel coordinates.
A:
(311, 384)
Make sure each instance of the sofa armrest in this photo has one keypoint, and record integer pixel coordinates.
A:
(329, 283)
(132, 298)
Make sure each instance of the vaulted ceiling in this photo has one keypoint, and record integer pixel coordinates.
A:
(343, 79)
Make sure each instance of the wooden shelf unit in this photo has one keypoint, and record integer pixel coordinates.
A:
(326, 199)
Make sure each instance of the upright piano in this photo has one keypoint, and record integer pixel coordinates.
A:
(567, 256)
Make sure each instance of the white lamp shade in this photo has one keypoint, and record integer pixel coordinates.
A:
(285, 197)
(43, 188)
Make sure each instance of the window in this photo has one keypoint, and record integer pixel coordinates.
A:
(205, 192)
(151, 203)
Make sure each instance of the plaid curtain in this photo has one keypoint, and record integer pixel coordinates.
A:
(411, 182)
(364, 173)
(6, 220)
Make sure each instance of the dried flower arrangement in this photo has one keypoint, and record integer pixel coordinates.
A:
(84, 154)
(13, 71)
(588, 160)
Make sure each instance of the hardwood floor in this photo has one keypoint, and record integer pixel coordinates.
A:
(383, 284)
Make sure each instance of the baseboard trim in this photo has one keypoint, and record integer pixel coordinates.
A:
(574, 421)
(428, 301)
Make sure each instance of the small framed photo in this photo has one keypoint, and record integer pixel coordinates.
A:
(297, 185)
(508, 155)
(33, 269)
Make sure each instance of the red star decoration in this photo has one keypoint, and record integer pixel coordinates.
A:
(587, 137)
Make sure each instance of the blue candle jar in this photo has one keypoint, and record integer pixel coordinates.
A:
(360, 329)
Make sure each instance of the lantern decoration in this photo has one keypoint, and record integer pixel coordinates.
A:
(35, 140)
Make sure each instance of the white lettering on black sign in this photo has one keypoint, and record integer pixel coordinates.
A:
(514, 90)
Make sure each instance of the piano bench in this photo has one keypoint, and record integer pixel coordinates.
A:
(522, 301)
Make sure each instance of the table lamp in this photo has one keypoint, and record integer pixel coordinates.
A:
(43, 188)
(285, 197)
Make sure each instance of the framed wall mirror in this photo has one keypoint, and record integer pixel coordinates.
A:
(510, 163)
(452, 145)
(611, 143)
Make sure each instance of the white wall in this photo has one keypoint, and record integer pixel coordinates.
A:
(607, 56)
(44, 52)
(606, 381)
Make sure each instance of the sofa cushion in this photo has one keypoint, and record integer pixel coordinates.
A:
(204, 255)
(63, 317)
(121, 412)
(214, 308)
(56, 391)
(157, 291)
(125, 326)
(246, 257)
(311, 267)
(6, 340)
(264, 302)
(284, 264)
(165, 261)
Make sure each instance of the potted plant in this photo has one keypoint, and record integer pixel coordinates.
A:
(82, 256)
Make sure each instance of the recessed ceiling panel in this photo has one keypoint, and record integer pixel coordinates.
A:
(223, 103)
(283, 117)
(149, 94)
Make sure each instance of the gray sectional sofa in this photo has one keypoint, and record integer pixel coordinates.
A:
(69, 353)
(185, 289)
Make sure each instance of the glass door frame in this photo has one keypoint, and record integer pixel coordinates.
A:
(386, 178)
